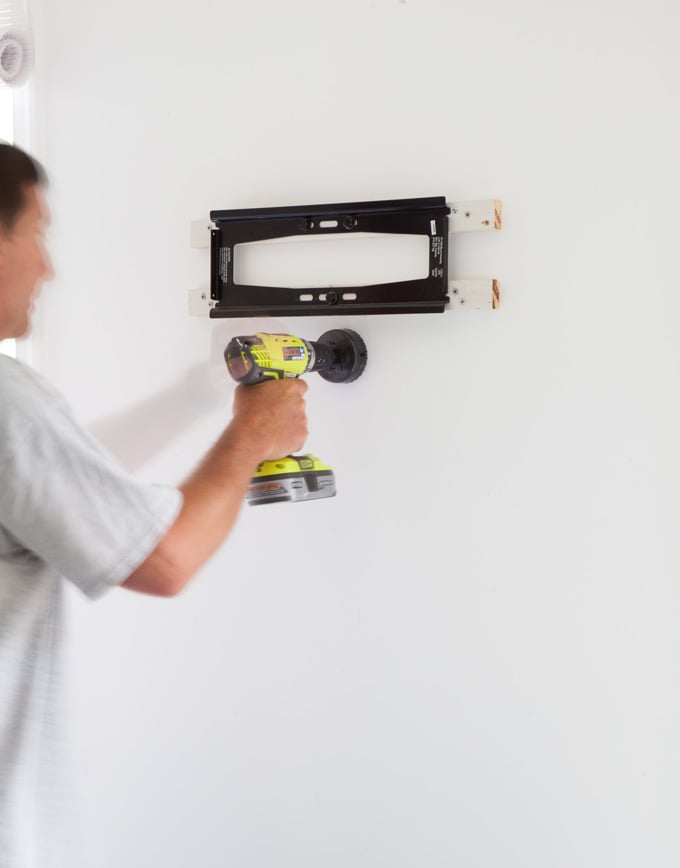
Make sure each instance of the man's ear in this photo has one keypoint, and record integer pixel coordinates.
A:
(4, 256)
(4, 245)
(3, 286)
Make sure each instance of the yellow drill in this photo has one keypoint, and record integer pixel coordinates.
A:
(338, 356)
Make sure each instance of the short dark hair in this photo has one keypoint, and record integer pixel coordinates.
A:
(18, 171)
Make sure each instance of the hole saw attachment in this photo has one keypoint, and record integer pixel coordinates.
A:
(339, 356)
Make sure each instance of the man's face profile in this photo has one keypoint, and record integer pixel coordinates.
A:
(24, 264)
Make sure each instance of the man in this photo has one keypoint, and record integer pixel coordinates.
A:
(67, 511)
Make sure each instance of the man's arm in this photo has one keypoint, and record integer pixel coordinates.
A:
(269, 421)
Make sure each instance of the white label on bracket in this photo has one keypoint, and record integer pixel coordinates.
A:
(200, 233)
(474, 294)
(200, 302)
(481, 216)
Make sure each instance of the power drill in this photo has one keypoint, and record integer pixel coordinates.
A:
(338, 356)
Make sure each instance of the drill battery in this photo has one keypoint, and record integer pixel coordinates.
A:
(291, 479)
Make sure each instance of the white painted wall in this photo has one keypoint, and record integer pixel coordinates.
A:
(470, 657)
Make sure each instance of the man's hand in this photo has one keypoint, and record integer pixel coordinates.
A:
(272, 416)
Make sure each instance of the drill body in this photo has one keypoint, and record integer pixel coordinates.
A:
(339, 356)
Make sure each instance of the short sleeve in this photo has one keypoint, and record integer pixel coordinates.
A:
(64, 499)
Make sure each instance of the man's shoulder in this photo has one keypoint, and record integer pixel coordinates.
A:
(7, 363)
(13, 375)
(10, 367)
(23, 389)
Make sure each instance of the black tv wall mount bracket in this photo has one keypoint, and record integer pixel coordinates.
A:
(431, 217)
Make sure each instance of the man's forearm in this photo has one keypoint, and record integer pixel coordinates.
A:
(213, 496)
(269, 421)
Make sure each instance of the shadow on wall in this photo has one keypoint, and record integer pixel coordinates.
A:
(136, 434)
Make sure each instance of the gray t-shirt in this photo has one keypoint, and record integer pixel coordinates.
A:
(67, 511)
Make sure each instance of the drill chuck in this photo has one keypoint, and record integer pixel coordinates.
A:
(340, 356)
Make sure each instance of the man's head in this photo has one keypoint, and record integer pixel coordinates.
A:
(24, 262)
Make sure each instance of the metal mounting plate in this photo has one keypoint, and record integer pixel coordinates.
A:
(424, 216)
